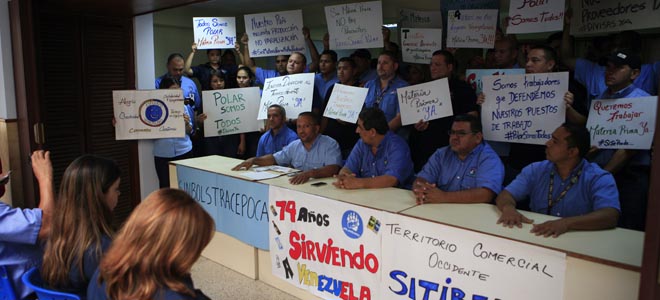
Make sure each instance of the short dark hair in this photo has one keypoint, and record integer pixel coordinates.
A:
(548, 52)
(578, 136)
(391, 54)
(332, 53)
(315, 117)
(280, 108)
(209, 51)
(303, 56)
(475, 123)
(168, 82)
(374, 117)
(247, 70)
(449, 59)
(174, 56)
(348, 60)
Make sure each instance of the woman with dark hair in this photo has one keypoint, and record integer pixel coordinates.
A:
(243, 144)
(153, 253)
(202, 145)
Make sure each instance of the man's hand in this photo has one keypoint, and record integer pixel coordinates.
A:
(244, 165)
(421, 125)
(481, 98)
(568, 99)
(426, 192)
(306, 34)
(194, 47)
(326, 41)
(300, 178)
(347, 181)
(511, 217)
(244, 38)
(552, 228)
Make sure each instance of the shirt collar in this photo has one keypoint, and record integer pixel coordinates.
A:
(620, 94)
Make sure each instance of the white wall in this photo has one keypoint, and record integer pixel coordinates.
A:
(7, 92)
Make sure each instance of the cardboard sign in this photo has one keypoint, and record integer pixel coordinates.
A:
(471, 28)
(523, 108)
(418, 44)
(529, 16)
(345, 103)
(474, 76)
(601, 16)
(293, 92)
(231, 111)
(277, 33)
(148, 114)
(215, 32)
(355, 25)
(627, 123)
(420, 19)
(426, 101)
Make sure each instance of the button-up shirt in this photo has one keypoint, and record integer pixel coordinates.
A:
(386, 99)
(270, 143)
(392, 158)
(324, 152)
(19, 229)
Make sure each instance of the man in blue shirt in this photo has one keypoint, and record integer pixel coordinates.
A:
(379, 159)
(382, 90)
(565, 185)
(467, 171)
(175, 68)
(327, 75)
(364, 72)
(279, 135)
(316, 155)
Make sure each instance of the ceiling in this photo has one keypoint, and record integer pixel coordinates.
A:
(125, 8)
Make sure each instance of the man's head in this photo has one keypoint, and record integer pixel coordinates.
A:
(228, 58)
(280, 64)
(442, 64)
(362, 58)
(346, 70)
(568, 142)
(541, 59)
(175, 65)
(328, 62)
(371, 124)
(387, 65)
(465, 134)
(297, 63)
(506, 52)
(308, 125)
(213, 55)
(276, 116)
(621, 69)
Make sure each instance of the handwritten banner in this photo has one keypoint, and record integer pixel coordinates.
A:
(600, 16)
(530, 16)
(239, 207)
(345, 103)
(277, 33)
(418, 44)
(420, 19)
(627, 123)
(471, 28)
(293, 92)
(474, 76)
(426, 101)
(355, 25)
(214, 32)
(231, 111)
(442, 262)
(148, 114)
(523, 108)
(330, 248)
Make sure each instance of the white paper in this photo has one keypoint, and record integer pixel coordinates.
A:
(215, 32)
(410, 18)
(345, 103)
(149, 114)
(471, 28)
(355, 25)
(474, 76)
(426, 101)
(627, 123)
(418, 44)
(231, 111)
(293, 92)
(530, 16)
(259, 175)
(592, 17)
(275, 33)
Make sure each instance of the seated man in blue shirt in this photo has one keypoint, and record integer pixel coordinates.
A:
(316, 155)
(279, 135)
(467, 171)
(379, 159)
(565, 185)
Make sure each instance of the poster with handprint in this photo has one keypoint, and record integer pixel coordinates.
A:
(293, 92)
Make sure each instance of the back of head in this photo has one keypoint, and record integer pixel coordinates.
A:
(374, 117)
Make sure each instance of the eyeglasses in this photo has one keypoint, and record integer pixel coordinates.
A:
(459, 133)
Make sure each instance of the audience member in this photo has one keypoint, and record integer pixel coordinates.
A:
(279, 135)
(203, 71)
(364, 72)
(382, 90)
(340, 130)
(175, 68)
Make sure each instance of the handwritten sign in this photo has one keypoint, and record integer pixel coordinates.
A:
(529, 16)
(474, 76)
(215, 32)
(443, 261)
(627, 123)
(599, 16)
(239, 207)
(148, 114)
(420, 19)
(418, 44)
(231, 111)
(327, 247)
(523, 108)
(293, 92)
(277, 33)
(345, 103)
(471, 28)
(355, 25)
(426, 101)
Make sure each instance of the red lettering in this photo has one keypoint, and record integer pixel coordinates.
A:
(287, 206)
(295, 250)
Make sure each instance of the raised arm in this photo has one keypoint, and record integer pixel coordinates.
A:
(316, 58)
(43, 171)
(187, 67)
(247, 59)
(567, 54)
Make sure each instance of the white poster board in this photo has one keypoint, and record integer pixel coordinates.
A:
(426, 101)
(530, 16)
(231, 111)
(471, 28)
(425, 260)
(293, 92)
(474, 76)
(345, 103)
(215, 32)
(591, 17)
(355, 25)
(275, 33)
(627, 123)
(418, 44)
(148, 114)
(410, 18)
(523, 108)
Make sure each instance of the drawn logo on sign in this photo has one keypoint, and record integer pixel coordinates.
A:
(352, 225)
(153, 112)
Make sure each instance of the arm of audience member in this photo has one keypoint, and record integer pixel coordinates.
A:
(426, 192)
(266, 160)
(481, 98)
(241, 60)
(567, 55)
(313, 52)
(604, 218)
(572, 115)
(386, 39)
(510, 216)
(326, 41)
(347, 180)
(187, 67)
(247, 59)
(43, 171)
(241, 144)
(421, 125)
(326, 171)
(395, 123)
(619, 160)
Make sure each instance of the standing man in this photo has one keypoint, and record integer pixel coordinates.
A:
(203, 71)
(327, 75)
(382, 90)
(343, 132)
(175, 68)
(506, 53)
(279, 135)
(364, 71)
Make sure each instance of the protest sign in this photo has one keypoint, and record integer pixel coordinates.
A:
(474, 76)
(420, 19)
(328, 247)
(293, 92)
(471, 28)
(426, 101)
(148, 114)
(418, 44)
(276, 33)
(445, 262)
(231, 111)
(530, 16)
(523, 108)
(345, 103)
(600, 16)
(215, 32)
(627, 123)
(355, 25)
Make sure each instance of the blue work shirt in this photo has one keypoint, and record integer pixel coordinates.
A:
(324, 152)
(97, 291)
(270, 143)
(78, 284)
(262, 74)
(203, 74)
(392, 158)
(481, 168)
(595, 189)
(189, 90)
(387, 98)
(322, 86)
(173, 147)
(592, 76)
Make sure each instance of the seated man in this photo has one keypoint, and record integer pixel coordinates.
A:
(278, 135)
(316, 155)
(564, 185)
(467, 171)
(379, 159)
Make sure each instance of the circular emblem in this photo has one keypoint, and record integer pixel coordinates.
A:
(153, 112)
(351, 223)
